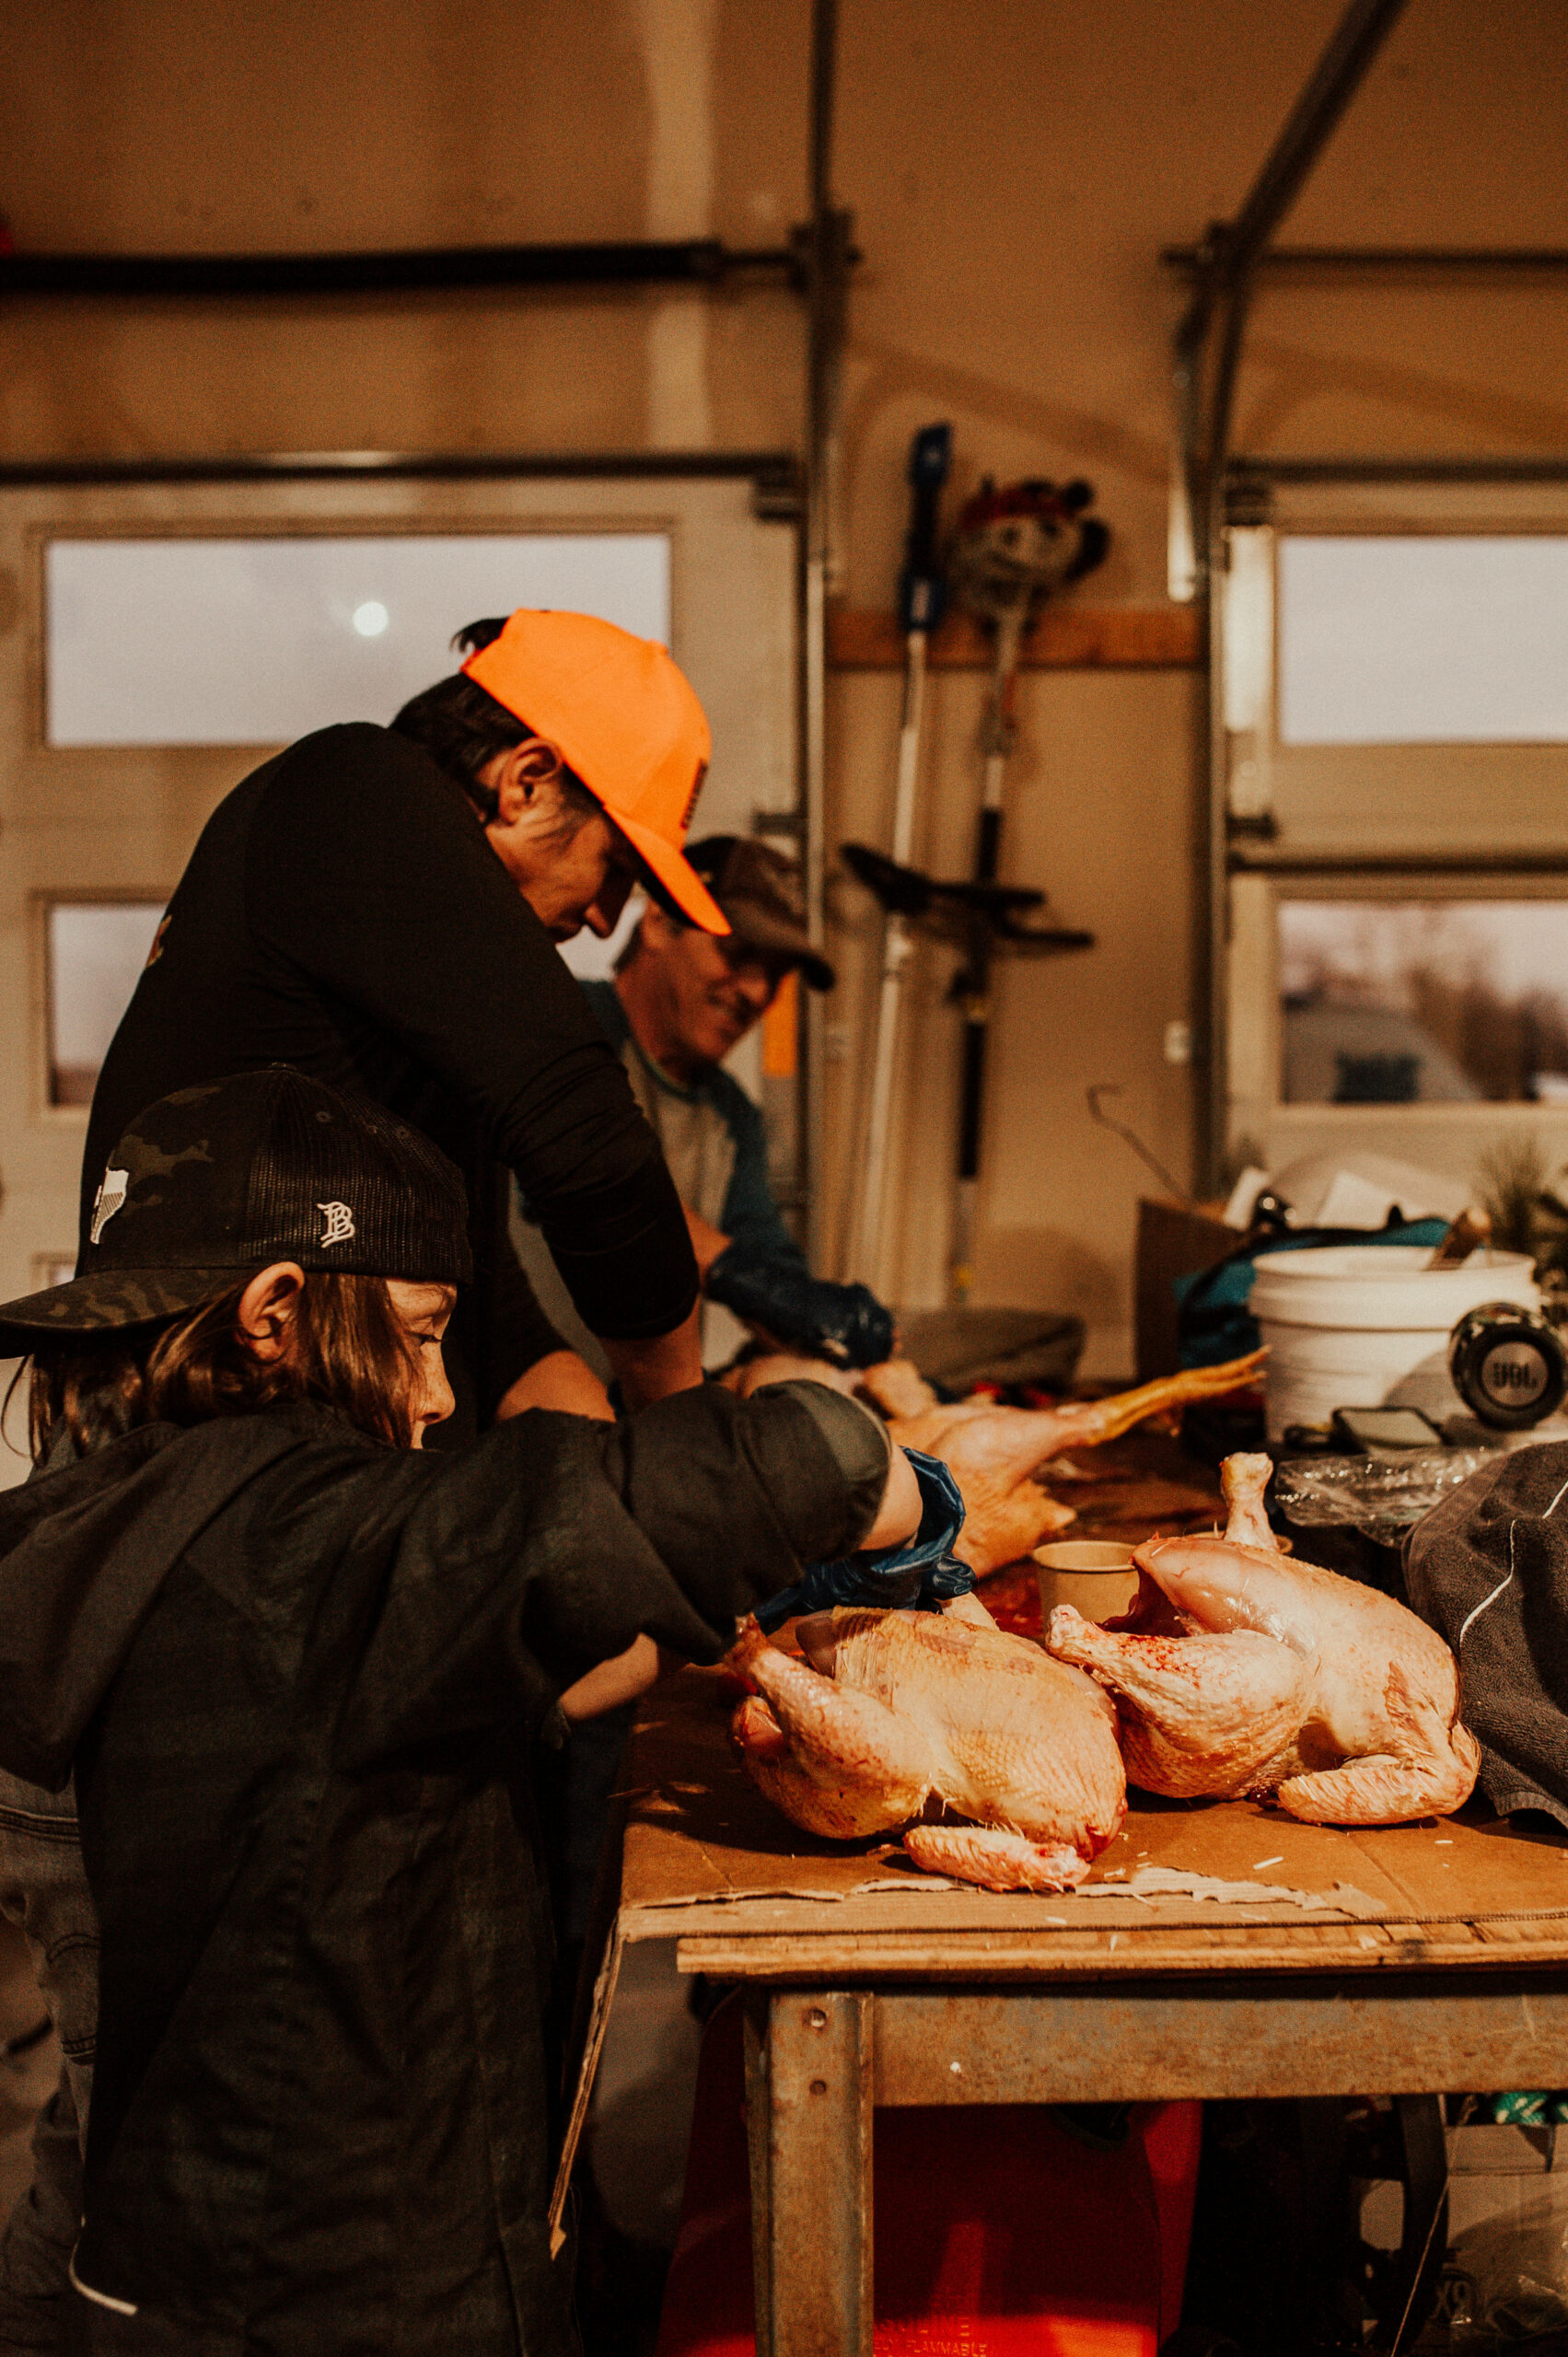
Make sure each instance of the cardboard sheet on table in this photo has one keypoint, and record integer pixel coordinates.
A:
(700, 1836)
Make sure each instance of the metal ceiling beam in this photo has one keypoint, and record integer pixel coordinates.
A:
(1225, 263)
(415, 270)
(1328, 90)
(1289, 261)
(827, 246)
(1230, 256)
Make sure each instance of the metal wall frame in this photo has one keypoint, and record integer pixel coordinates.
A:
(829, 244)
(1212, 488)
(702, 262)
(776, 478)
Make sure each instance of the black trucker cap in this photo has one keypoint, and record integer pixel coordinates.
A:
(221, 1180)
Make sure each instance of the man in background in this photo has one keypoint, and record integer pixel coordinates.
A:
(680, 1000)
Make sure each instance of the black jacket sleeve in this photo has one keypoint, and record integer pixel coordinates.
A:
(368, 871)
(554, 1542)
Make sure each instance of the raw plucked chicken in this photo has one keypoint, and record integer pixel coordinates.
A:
(896, 1386)
(890, 1712)
(1241, 1670)
(994, 1453)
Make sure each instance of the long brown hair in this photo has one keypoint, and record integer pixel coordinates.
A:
(347, 1347)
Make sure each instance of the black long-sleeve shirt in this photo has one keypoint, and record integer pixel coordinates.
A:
(342, 911)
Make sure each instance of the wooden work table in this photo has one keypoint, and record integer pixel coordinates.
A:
(1218, 1949)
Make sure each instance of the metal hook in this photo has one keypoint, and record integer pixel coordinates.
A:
(1105, 1088)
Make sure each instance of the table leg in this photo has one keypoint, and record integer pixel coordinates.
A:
(809, 2098)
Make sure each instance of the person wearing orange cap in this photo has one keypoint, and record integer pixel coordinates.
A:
(379, 907)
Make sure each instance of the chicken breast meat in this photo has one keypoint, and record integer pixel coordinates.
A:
(1241, 1670)
(900, 1716)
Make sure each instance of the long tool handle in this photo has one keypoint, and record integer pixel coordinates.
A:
(923, 592)
(971, 1103)
(974, 991)
(920, 597)
(869, 1240)
(897, 945)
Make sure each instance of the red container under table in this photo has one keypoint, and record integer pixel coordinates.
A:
(998, 2232)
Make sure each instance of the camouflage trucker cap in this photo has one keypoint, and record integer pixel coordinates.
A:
(223, 1178)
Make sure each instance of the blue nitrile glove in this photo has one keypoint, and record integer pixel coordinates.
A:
(922, 1573)
(844, 1323)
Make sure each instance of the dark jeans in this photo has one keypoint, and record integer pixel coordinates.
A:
(44, 1886)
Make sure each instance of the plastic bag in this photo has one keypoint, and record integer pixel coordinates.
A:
(1517, 2262)
(1381, 1496)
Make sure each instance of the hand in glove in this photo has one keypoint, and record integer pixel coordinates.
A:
(844, 1323)
(921, 1575)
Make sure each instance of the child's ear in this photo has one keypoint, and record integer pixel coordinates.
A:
(267, 1308)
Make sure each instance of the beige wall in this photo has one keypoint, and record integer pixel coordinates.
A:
(1015, 166)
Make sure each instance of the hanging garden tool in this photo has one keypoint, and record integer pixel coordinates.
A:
(1013, 548)
(951, 908)
(921, 596)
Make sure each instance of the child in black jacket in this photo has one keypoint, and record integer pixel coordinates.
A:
(295, 1662)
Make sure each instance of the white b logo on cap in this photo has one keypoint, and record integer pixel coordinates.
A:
(109, 1199)
(340, 1226)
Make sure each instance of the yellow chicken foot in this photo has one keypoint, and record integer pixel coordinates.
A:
(1095, 1421)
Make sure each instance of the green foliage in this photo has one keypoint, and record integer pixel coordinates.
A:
(1528, 1203)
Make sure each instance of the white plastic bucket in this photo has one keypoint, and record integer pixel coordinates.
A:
(1368, 1326)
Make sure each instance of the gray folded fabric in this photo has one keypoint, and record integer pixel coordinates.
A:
(1489, 1567)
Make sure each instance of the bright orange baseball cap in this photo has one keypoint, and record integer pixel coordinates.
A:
(624, 718)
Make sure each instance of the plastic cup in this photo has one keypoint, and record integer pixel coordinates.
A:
(1095, 1577)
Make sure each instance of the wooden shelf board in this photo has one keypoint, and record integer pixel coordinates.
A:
(1065, 638)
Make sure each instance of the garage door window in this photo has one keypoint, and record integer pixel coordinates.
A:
(1420, 1002)
(257, 641)
(95, 952)
(1424, 639)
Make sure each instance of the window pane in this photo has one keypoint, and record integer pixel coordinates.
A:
(256, 641)
(1428, 640)
(1416, 1002)
(97, 951)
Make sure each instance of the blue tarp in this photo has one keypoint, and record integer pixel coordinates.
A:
(1213, 1323)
